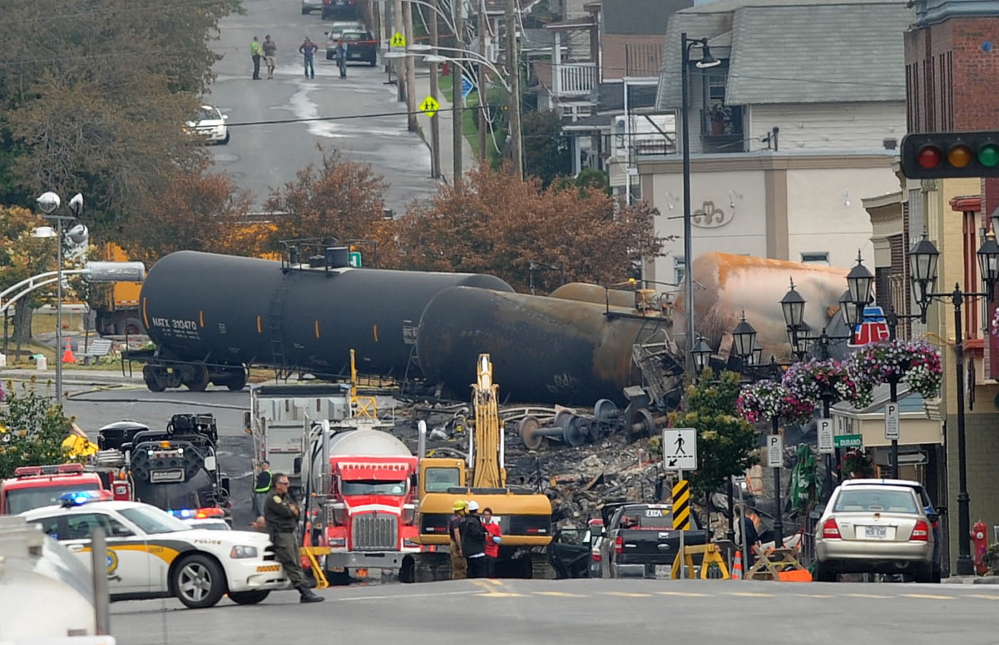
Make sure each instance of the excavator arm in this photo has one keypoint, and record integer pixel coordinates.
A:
(487, 448)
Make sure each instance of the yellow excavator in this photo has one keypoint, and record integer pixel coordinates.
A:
(525, 516)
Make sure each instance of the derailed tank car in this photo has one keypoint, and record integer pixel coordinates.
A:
(544, 350)
(211, 316)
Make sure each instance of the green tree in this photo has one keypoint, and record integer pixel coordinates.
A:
(32, 429)
(546, 148)
(22, 255)
(93, 97)
(726, 443)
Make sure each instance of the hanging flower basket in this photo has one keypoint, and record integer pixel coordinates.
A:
(856, 465)
(807, 381)
(765, 400)
(915, 362)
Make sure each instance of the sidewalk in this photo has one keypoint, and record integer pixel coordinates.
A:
(446, 124)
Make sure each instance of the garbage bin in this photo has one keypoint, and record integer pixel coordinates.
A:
(41, 363)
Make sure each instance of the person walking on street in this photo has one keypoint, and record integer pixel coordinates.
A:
(341, 57)
(281, 513)
(270, 51)
(473, 542)
(256, 52)
(493, 539)
(459, 569)
(308, 52)
(261, 487)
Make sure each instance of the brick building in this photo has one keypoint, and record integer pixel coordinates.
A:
(952, 70)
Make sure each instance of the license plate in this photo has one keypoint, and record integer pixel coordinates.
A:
(664, 570)
(161, 476)
(876, 532)
(354, 56)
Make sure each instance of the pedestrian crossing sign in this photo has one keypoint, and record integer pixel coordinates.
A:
(398, 40)
(429, 106)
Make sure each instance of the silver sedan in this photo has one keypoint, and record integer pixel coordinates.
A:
(874, 529)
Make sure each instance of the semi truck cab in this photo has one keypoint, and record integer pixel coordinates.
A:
(33, 487)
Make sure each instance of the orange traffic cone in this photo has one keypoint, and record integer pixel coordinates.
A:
(67, 356)
(737, 566)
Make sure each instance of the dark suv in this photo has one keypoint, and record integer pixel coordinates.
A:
(361, 47)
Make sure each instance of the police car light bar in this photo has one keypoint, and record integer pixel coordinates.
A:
(197, 513)
(79, 498)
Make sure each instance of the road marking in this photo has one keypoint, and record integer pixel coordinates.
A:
(864, 595)
(979, 595)
(814, 595)
(412, 595)
(750, 594)
(627, 594)
(500, 594)
(560, 594)
(926, 596)
(688, 594)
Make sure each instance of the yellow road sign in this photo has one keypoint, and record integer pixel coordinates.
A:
(398, 40)
(429, 106)
(681, 505)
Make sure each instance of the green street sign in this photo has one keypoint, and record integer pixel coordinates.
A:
(848, 441)
(355, 259)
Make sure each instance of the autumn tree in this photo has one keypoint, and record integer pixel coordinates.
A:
(726, 443)
(494, 222)
(336, 199)
(32, 429)
(93, 97)
(199, 211)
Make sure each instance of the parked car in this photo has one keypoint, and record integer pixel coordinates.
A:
(209, 124)
(361, 46)
(928, 508)
(640, 540)
(336, 32)
(308, 6)
(152, 554)
(340, 10)
(876, 528)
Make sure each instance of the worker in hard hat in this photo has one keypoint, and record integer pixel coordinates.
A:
(473, 542)
(459, 569)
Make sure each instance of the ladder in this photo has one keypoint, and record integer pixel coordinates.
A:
(274, 327)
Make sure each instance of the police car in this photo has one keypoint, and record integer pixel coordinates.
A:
(152, 554)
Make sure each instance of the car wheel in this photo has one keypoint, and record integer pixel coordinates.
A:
(373, 62)
(198, 582)
(305, 11)
(226, 140)
(824, 573)
(936, 575)
(248, 597)
(925, 576)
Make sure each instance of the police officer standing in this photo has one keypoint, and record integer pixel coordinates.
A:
(281, 513)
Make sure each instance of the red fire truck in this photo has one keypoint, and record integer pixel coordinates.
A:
(36, 486)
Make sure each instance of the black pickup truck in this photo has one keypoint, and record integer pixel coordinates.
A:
(640, 541)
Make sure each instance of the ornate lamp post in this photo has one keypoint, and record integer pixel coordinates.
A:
(924, 257)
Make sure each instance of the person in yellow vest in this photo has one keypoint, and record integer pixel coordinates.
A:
(262, 486)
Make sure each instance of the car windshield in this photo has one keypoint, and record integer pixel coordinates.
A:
(352, 35)
(20, 500)
(441, 479)
(366, 487)
(152, 520)
(647, 518)
(210, 114)
(876, 501)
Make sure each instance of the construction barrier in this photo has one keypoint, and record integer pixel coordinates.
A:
(778, 564)
(711, 553)
(310, 553)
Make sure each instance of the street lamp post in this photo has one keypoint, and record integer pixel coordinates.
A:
(707, 60)
(48, 202)
(924, 257)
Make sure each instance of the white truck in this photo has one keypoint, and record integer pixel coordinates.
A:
(33, 567)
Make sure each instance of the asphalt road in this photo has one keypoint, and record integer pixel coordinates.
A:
(265, 156)
(524, 612)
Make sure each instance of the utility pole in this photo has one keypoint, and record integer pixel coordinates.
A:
(435, 126)
(400, 75)
(457, 132)
(483, 84)
(513, 73)
(407, 12)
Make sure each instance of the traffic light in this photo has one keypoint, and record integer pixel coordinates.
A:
(937, 155)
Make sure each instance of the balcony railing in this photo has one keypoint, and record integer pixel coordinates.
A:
(575, 79)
